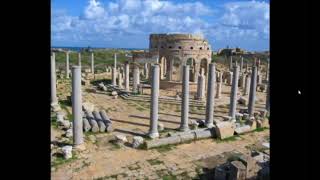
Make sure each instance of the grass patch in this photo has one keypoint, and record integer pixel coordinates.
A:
(60, 160)
(169, 177)
(260, 129)
(154, 162)
(229, 139)
(115, 145)
(165, 148)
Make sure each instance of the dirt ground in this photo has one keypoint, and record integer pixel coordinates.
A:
(103, 160)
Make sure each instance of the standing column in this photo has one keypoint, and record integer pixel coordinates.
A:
(77, 106)
(230, 65)
(153, 131)
(241, 64)
(185, 99)
(267, 72)
(247, 85)
(219, 87)
(115, 60)
(146, 71)
(126, 79)
(242, 80)
(135, 78)
(92, 63)
(252, 94)
(258, 64)
(201, 88)
(120, 80)
(114, 76)
(170, 70)
(162, 69)
(67, 65)
(234, 90)
(210, 95)
(54, 99)
(79, 59)
(247, 67)
(268, 97)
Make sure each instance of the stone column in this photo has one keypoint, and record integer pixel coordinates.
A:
(219, 87)
(210, 95)
(267, 72)
(234, 92)
(115, 60)
(268, 97)
(247, 85)
(230, 78)
(154, 107)
(170, 70)
(247, 67)
(185, 99)
(67, 65)
(146, 71)
(120, 80)
(126, 79)
(77, 106)
(114, 76)
(242, 80)
(54, 99)
(241, 64)
(230, 65)
(258, 64)
(252, 94)
(201, 87)
(79, 59)
(136, 80)
(161, 70)
(92, 63)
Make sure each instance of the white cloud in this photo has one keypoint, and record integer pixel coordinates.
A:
(118, 18)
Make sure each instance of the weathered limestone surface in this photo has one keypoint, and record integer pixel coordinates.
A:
(153, 131)
(210, 96)
(237, 170)
(92, 121)
(102, 126)
(234, 92)
(77, 106)
(185, 100)
(252, 95)
(225, 129)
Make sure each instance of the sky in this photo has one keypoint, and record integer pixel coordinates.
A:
(128, 23)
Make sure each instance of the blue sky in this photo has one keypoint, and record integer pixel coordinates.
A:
(128, 23)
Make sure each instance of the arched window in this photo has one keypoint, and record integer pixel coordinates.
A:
(200, 48)
(191, 47)
(161, 47)
(207, 48)
(179, 47)
(170, 47)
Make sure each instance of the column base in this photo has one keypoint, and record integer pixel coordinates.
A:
(209, 125)
(184, 129)
(79, 147)
(153, 135)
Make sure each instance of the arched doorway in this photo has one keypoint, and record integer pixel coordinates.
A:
(163, 65)
(176, 69)
(204, 66)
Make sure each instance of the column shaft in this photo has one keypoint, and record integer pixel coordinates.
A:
(77, 106)
(234, 90)
(185, 99)
(54, 99)
(252, 94)
(153, 132)
(210, 95)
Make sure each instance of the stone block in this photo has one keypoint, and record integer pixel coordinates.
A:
(237, 171)
(243, 100)
(87, 106)
(252, 124)
(160, 127)
(225, 129)
(243, 129)
(221, 172)
(67, 152)
(137, 141)
(121, 138)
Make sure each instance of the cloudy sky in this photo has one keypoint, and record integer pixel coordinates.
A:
(128, 23)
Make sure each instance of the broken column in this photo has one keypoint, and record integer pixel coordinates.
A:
(77, 106)
(153, 132)
(54, 99)
(67, 65)
(146, 71)
(219, 87)
(92, 121)
(136, 78)
(185, 100)
(234, 90)
(114, 75)
(126, 77)
(92, 63)
(267, 71)
(97, 116)
(252, 94)
(201, 87)
(210, 95)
